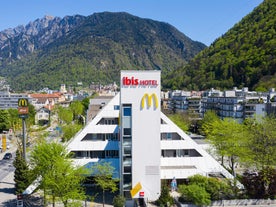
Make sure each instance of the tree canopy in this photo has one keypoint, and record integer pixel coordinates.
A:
(60, 179)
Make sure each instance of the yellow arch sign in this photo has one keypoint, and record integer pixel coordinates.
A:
(22, 102)
(149, 99)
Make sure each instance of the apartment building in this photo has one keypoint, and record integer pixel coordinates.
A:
(9, 100)
(237, 103)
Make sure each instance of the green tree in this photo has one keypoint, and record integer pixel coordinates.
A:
(206, 123)
(229, 138)
(31, 115)
(103, 176)
(77, 109)
(165, 196)
(65, 182)
(65, 114)
(15, 121)
(22, 174)
(262, 146)
(86, 101)
(4, 120)
(181, 120)
(60, 180)
(69, 131)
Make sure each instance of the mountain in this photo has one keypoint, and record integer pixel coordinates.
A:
(52, 51)
(18, 42)
(245, 56)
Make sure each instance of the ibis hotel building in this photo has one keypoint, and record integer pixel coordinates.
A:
(142, 144)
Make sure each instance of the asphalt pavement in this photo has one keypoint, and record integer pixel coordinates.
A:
(7, 189)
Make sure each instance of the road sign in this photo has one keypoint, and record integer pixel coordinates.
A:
(22, 102)
(23, 108)
(135, 189)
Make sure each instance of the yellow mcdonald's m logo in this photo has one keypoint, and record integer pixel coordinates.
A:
(22, 102)
(149, 99)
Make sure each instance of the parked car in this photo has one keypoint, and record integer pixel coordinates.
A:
(7, 156)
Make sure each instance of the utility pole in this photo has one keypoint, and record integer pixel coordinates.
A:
(23, 110)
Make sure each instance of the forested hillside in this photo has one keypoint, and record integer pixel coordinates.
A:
(94, 49)
(245, 56)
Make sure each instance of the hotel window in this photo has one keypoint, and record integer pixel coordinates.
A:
(127, 169)
(116, 107)
(127, 111)
(127, 131)
(127, 150)
(111, 153)
(108, 122)
(126, 124)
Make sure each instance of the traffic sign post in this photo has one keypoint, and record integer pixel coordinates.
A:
(23, 110)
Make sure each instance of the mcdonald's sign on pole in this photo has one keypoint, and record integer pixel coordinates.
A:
(149, 100)
(23, 108)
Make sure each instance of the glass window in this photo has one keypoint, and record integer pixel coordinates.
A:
(127, 169)
(127, 131)
(127, 150)
(127, 111)
(116, 107)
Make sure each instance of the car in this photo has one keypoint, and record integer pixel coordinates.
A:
(7, 156)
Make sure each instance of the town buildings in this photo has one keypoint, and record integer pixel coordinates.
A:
(236, 103)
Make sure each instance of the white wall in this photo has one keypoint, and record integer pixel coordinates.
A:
(145, 129)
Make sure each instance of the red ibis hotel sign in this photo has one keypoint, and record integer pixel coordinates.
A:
(136, 82)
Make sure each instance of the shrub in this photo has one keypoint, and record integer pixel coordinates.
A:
(195, 194)
(119, 201)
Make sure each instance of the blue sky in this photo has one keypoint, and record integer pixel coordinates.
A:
(201, 20)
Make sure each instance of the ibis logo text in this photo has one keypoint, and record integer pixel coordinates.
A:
(149, 100)
(132, 81)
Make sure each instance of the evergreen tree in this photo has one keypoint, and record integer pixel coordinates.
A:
(165, 196)
(22, 175)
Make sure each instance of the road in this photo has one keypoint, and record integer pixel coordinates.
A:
(7, 190)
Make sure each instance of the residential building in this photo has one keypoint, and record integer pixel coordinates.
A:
(40, 100)
(42, 116)
(9, 100)
(236, 103)
(96, 104)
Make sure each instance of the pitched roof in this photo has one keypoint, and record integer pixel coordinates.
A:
(42, 95)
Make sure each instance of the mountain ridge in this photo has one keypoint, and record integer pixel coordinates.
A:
(97, 46)
(242, 57)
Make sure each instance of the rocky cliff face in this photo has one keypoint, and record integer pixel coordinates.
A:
(17, 42)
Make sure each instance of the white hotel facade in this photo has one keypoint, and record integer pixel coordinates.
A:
(141, 143)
